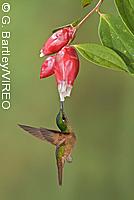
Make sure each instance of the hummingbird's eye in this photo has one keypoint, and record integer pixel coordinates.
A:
(63, 118)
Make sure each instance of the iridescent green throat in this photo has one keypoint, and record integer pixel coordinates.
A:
(61, 121)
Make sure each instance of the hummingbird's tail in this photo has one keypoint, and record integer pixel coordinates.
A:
(60, 166)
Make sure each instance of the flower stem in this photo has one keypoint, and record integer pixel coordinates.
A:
(95, 9)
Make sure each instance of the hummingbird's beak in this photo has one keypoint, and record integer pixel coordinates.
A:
(62, 111)
(62, 106)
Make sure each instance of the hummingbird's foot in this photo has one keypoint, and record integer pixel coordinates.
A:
(69, 159)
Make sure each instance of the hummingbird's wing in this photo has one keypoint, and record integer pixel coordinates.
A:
(52, 136)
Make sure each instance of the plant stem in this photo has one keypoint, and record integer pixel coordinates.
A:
(95, 9)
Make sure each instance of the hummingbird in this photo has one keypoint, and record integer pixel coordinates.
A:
(64, 140)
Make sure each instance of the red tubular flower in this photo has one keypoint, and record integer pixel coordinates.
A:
(47, 68)
(66, 70)
(58, 40)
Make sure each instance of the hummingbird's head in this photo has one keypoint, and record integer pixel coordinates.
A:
(61, 121)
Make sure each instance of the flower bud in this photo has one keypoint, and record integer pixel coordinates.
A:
(58, 40)
(47, 68)
(66, 70)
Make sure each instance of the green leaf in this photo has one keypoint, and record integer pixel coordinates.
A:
(58, 28)
(73, 24)
(115, 35)
(126, 10)
(86, 2)
(76, 22)
(102, 56)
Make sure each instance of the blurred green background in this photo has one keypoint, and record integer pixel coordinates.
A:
(101, 111)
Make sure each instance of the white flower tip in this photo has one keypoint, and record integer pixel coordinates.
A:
(62, 98)
(64, 90)
(41, 53)
(68, 92)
